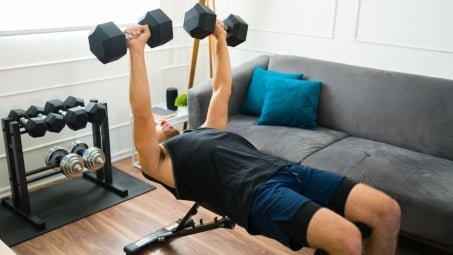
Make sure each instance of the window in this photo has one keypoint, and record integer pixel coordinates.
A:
(43, 16)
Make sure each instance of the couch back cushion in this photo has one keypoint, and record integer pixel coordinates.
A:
(411, 111)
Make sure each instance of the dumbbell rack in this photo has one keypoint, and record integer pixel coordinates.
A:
(19, 201)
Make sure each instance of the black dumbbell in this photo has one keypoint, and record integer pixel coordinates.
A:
(108, 42)
(96, 112)
(71, 164)
(54, 122)
(75, 118)
(93, 157)
(200, 21)
(35, 127)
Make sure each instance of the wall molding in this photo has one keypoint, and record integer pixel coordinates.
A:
(91, 58)
(174, 66)
(21, 32)
(265, 52)
(388, 43)
(334, 21)
(404, 46)
(267, 31)
(63, 85)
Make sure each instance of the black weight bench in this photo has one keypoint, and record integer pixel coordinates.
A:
(186, 226)
(182, 227)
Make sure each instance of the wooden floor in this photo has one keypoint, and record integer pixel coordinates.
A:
(108, 231)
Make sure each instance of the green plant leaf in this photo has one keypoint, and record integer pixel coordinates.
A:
(181, 100)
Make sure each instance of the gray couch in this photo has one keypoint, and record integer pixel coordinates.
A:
(391, 130)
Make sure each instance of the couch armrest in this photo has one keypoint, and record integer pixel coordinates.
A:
(198, 101)
(199, 95)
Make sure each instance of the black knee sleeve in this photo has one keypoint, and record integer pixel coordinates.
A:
(297, 227)
(320, 252)
(338, 201)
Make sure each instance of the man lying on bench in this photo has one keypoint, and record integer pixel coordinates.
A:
(293, 204)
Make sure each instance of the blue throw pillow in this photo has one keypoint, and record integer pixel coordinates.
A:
(292, 103)
(254, 99)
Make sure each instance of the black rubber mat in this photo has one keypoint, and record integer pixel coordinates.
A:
(66, 202)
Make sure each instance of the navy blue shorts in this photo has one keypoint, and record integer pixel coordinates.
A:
(279, 198)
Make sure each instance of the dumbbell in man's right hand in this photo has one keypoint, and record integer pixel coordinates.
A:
(108, 42)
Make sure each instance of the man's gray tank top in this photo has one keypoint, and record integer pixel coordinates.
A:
(221, 169)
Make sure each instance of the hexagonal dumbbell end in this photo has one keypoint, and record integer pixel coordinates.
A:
(34, 111)
(72, 101)
(55, 122)
(96, 112)
(199, 21)
(35, 127)
(160, 25)
(236, 30)
(17, 114)
(76, 118)
(55, 106)
(107, 42)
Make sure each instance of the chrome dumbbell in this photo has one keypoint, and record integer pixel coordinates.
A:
(93, 157)
(70, 164)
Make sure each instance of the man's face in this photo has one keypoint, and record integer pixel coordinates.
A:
(165, 130)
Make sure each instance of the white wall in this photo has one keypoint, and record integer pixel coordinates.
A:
(411, 36)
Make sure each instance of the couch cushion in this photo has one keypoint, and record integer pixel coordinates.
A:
(291, 103)
(422, 184)
(254, 98)
(293, 144)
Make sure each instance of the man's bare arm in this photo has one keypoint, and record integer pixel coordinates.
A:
(144, 128)
(217, 116)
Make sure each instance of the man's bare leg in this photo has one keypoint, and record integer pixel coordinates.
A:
(334, 234)
(378, 211)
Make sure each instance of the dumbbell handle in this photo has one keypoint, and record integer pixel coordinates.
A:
(23, 121)
(129, 36)
(62, 112)
(43, 116)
